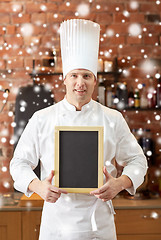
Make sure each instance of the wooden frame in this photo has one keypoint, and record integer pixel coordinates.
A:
(87, 131)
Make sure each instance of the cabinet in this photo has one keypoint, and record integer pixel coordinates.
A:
(139, 237)
(138, 224)
(138, 219)
(30, 225)
(20, 225)
(10, 226)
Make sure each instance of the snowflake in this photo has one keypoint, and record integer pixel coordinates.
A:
(27, 30)
(147, 66)
(134, 29)
(134, 5)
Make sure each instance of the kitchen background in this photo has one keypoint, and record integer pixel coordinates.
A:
(129, 69)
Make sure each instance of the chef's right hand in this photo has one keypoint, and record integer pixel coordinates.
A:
(46, 190)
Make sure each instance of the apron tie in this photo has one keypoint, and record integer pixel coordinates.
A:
(93, 218)
(111, 206)
(93, 211)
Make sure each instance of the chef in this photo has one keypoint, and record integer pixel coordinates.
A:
(74, 216)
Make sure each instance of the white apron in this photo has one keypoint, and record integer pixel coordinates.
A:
(77, 216)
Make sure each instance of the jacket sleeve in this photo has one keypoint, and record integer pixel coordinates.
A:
(129, 154)
(26, 157)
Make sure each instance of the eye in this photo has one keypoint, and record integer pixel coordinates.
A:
(86, 76)
(73, 75)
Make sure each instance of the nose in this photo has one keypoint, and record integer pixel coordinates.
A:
(80, 81)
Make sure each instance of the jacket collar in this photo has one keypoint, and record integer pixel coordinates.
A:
(71, 107)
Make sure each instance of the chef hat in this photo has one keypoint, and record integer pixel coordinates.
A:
(79, 45)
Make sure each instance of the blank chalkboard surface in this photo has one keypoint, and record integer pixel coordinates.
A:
(78, 158)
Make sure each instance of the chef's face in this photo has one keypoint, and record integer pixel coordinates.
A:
(80, 85)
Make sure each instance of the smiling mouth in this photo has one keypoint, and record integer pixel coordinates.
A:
(79, 91)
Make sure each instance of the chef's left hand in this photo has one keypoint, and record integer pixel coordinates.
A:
(110, 189)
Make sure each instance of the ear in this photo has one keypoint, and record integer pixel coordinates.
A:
(95, 80)
(64, 81)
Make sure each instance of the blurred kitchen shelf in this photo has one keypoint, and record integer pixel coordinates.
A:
(45, 74)
(49, 71)
(141, 109)
(36, 74)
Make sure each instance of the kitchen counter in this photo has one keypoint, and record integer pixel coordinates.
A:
(35, 203)
(122, 203)
(19, 202)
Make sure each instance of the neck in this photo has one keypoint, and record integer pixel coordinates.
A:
(77, 105)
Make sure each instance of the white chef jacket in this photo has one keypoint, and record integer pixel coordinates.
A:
(76, 216)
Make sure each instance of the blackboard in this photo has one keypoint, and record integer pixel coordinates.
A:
(78, 158)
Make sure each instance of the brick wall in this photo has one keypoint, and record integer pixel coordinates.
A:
(130, 31)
